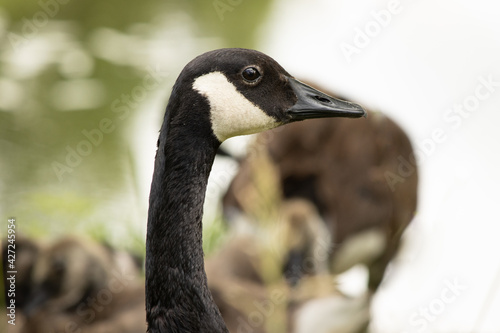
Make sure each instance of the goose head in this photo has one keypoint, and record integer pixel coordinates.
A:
(241, 91)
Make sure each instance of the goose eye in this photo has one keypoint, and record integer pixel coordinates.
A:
(251, 74)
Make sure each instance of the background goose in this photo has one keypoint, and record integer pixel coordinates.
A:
(236, 283)
(352, 173)
(220, 94)
(79, 285)
(245, 274)
(306, 240)
(362, 200)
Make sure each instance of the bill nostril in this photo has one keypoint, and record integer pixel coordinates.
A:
(322, 99)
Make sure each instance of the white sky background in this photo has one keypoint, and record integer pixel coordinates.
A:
(427, 59)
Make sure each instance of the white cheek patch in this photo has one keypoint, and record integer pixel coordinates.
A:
(231, 113)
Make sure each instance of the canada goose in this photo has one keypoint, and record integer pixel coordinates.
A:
(65, 272)
(234, 318)
(236, 283)
(238, 258)
(334, 313)
(345, 169)
(306, 241)
(316, 305)
(78, 284)
(219, 94)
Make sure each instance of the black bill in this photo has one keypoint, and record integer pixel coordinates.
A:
(313, 103)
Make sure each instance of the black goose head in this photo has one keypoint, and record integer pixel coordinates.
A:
(244, 91)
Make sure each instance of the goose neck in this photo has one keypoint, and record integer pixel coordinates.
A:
(177, 293)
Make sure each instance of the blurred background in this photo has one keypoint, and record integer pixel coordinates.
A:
(83, 87)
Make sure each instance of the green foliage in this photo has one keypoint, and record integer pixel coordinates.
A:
(66, 63)
(236, 22)
(214, 233)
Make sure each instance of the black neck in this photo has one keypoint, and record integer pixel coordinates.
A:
(177, 295)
